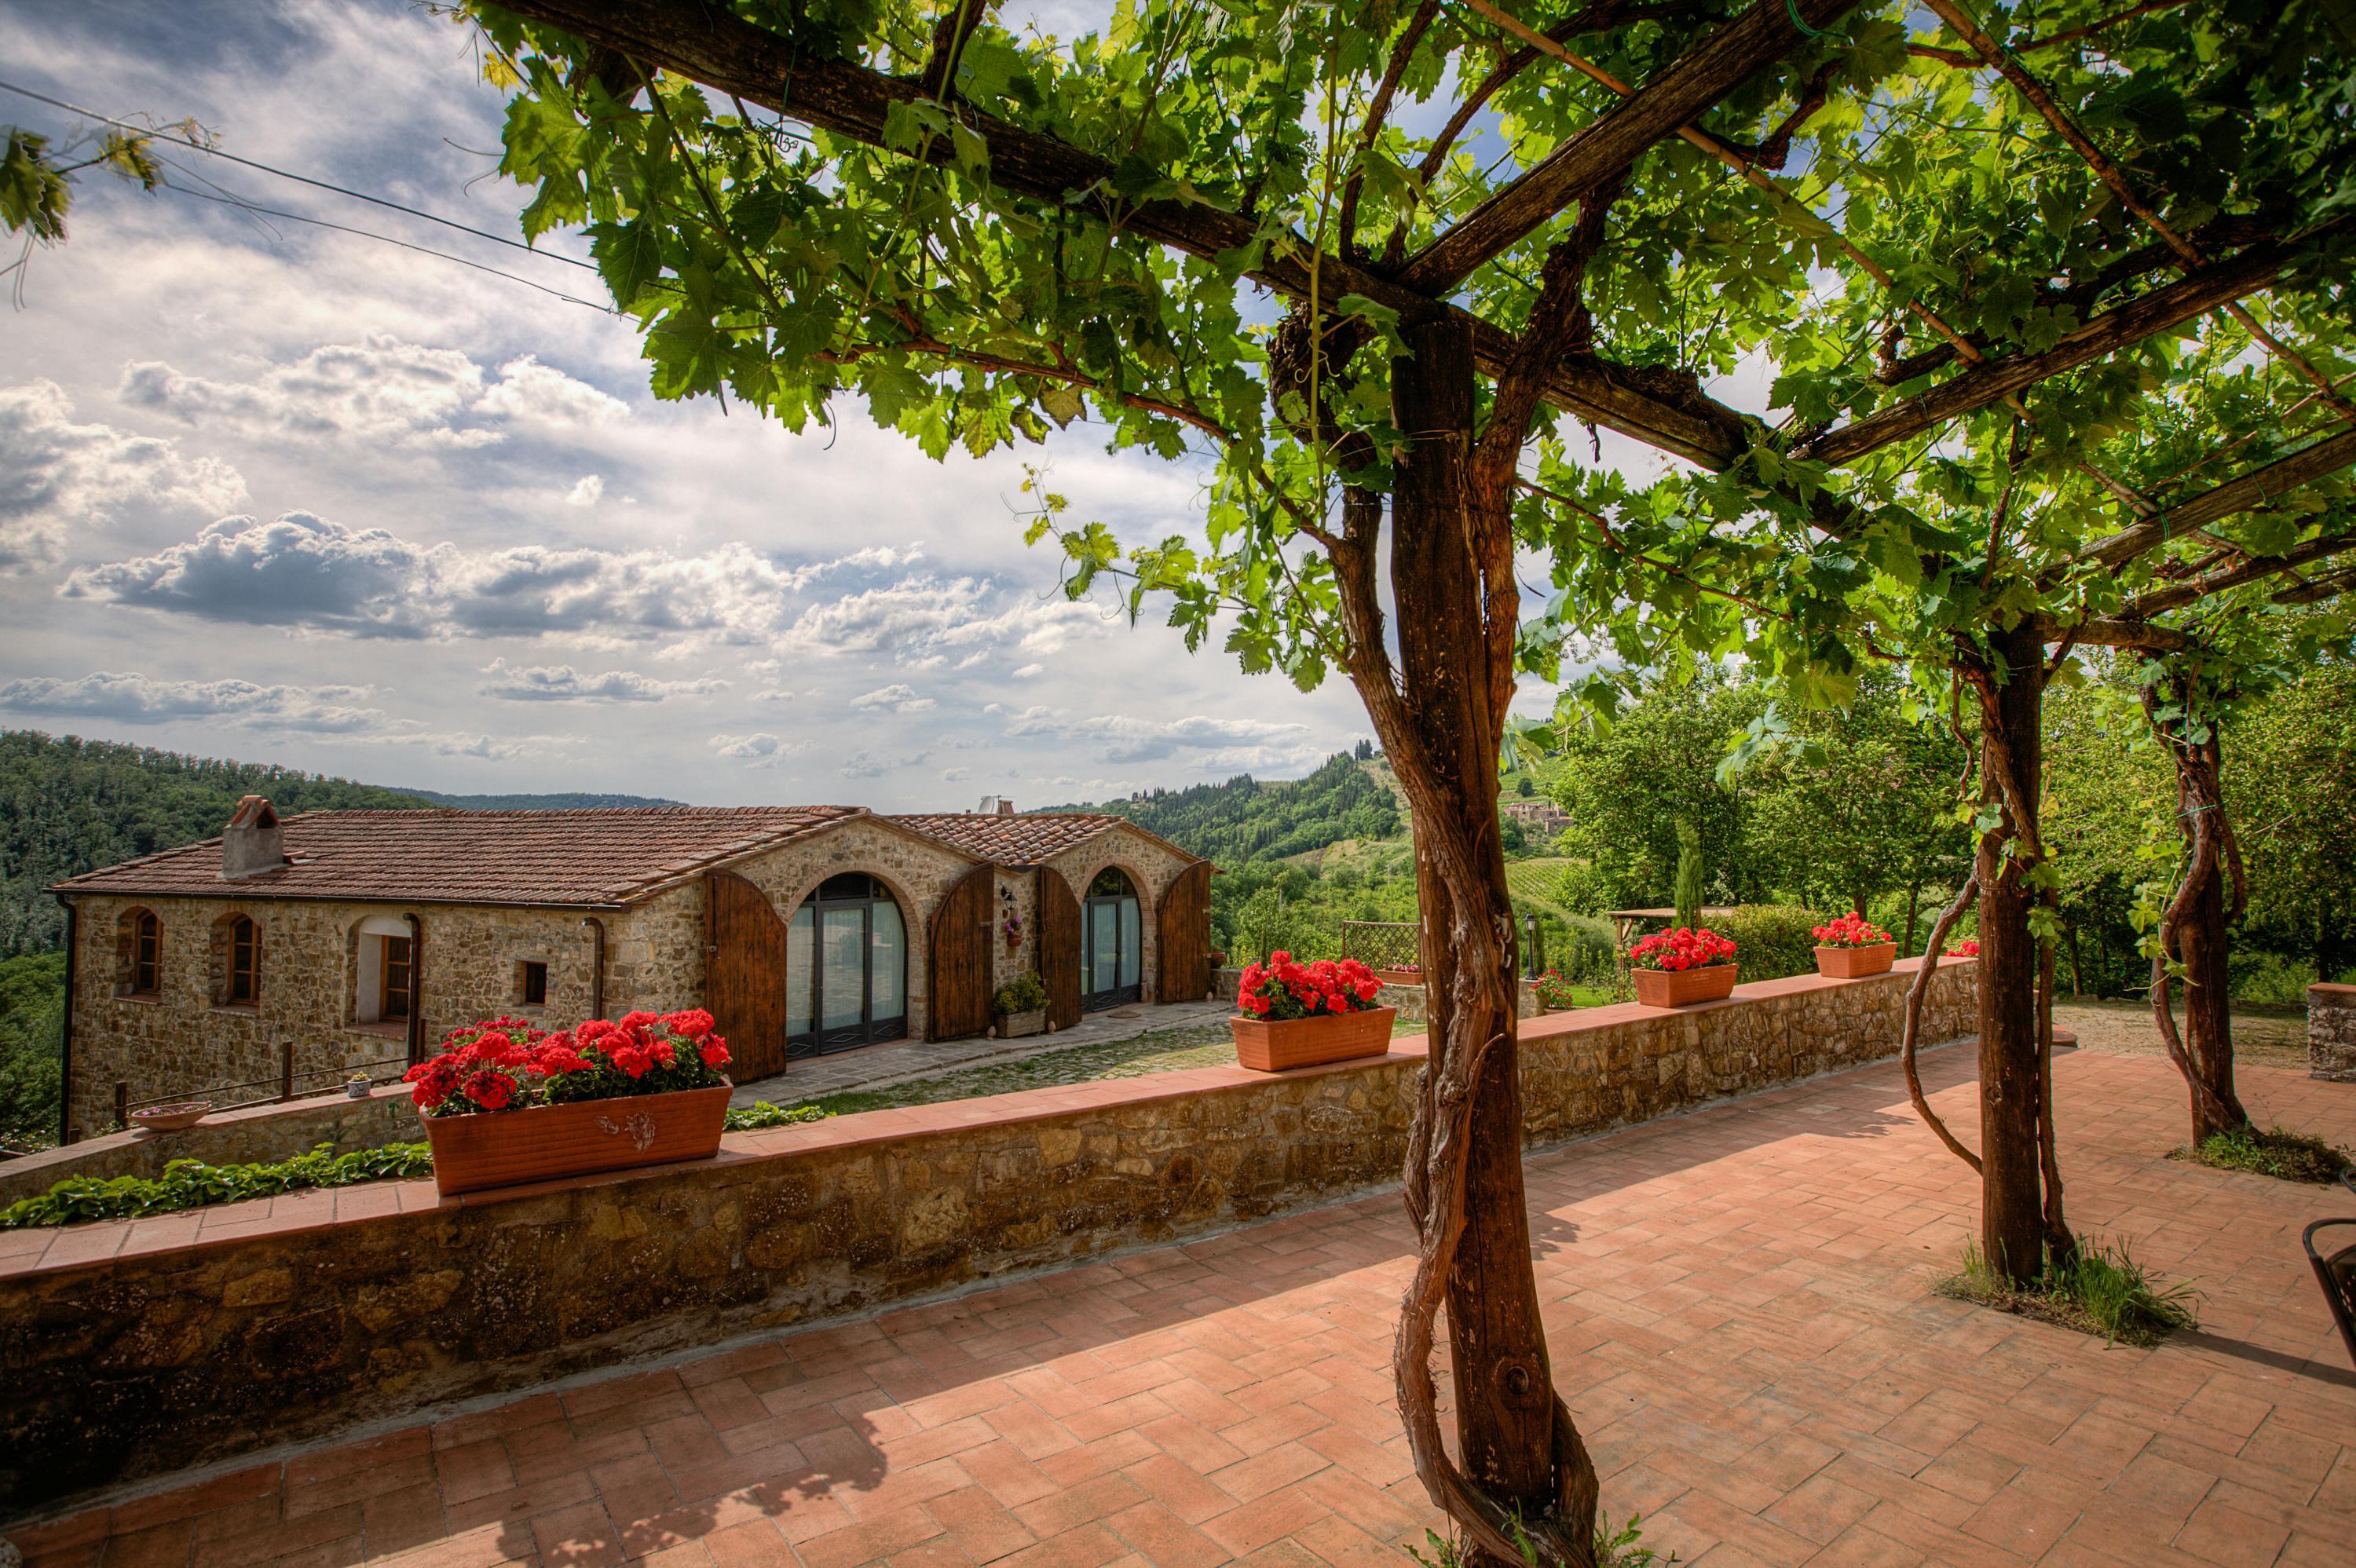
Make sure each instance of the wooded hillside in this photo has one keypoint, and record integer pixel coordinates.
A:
(1245, 820)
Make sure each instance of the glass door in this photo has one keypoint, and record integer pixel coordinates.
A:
(1112, 957)
(846, 968)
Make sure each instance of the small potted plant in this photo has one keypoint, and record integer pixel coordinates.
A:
(1022, 1007)
(358, 1086)
(1300, 1014)
(1404, 975)
(1554, 994)
(506, 1103)
(1852, 947)
(1969, 947)
(1674, 968)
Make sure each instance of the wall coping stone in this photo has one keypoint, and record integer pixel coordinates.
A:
(95, 1245)
(2333, 994)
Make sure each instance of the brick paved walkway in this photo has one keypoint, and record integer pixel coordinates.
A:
(1738, 1306)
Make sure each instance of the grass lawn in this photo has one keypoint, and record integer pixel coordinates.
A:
(1158, 1051)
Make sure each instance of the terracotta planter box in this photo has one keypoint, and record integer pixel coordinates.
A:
(1855, 963)
(1680, 987)
(1014, 1025)
(1272, 1047)
(1399, 977)
(506, 1148)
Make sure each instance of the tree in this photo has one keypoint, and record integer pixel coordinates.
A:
(983, 234)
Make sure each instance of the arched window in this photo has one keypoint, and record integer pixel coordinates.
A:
(846, 968)
(237, 961)
(142, 954)
(1112, 953)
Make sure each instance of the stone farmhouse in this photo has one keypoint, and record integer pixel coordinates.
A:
(288, 953)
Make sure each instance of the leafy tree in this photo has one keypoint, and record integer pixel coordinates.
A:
(985, 233)
(2292, 789)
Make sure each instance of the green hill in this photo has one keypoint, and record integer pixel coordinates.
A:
(570, 801)
(69, 805)
(1244, 820)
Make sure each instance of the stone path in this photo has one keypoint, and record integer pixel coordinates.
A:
(1739, 1308)
(880, 1066)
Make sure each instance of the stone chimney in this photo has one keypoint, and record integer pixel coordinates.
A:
(997, 806)
(1005, 806)
(251, 842)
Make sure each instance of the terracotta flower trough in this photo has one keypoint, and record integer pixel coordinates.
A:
(1301, 1015)
(472, 1154)
(1682, 988)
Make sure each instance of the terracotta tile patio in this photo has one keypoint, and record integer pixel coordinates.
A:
(1740, 1310)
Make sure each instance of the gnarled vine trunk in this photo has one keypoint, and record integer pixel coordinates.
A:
(1519, 1460)
(2021, 1198)
(2194, 930)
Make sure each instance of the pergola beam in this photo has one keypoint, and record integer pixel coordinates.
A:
(731, 55)
(2147, 315)
(2145, 605)
(1696, 81)
(2253, 489)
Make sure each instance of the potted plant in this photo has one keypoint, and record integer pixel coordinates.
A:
(1554, 994)
(1969, 947)
(506, 1103)
(1299, 1015)
(1022, 1007)
(1672, 968)
(1852, 947)
(358, 1086)
(1405, 975)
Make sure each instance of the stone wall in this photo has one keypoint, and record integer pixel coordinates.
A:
(257, 1132)
(137, 1347)
(182, 1039)
(2332, 1032)
(1151, 867)
(918, 870)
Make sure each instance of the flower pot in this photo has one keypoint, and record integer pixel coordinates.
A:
(1274, 1045)
(505, 1148)
(1399, 977)
(1014, 1025)
(171, 1118)
(358, 1088)
(1855, 963)
(1680, 987)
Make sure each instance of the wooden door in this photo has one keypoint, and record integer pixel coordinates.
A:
(960, 975)
(1059, 947)
(1186, 937)
(744, 974)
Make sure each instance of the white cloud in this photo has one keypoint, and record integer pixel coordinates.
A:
(1027, 671)
(562, 683)
(956, 776)
(1250, 743)
(773, 694)
(868, 765)
(586, 491)
(56, 475)
(303, 570)
(919, 621)
(134, 698)
(898, 697)
(761, 749)
(381, 391)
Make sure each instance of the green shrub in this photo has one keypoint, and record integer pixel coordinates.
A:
(761, 1114)
(1026, 993)
(2268, 980)
(1590, 953)
(193, 1184)
(2279, 1153)
(1583, 889)
(1772, 941)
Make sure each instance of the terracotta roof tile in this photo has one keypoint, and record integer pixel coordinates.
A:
(587, 857)
(1023, 840)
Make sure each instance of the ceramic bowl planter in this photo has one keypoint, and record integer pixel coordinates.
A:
(577, 1139)
(1682, 988)
(1014, 1025)
(1856, 963)
(1267, 1045)
(171, 1118)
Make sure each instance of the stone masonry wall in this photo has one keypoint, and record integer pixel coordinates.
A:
(2332, 1032)
(182, 1041)
(918, 870)
(137, 1347)
(1151, 867)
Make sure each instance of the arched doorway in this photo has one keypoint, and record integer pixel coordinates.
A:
(1112, 954)
(846, 968)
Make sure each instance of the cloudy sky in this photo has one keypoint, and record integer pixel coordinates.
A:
(280, 492)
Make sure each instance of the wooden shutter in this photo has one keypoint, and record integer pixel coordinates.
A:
(1185, 936)
(959, 972)
(744, 974)
(1059, 947)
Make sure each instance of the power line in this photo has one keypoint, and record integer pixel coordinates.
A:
(306, 179)
(244, 206)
